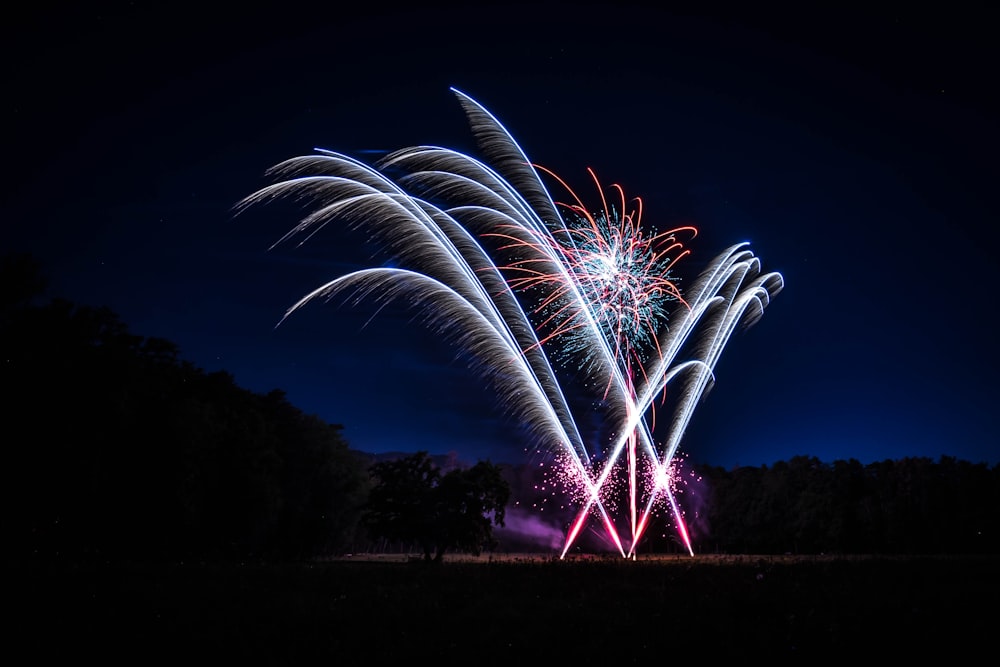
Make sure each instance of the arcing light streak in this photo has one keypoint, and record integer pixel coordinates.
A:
(602, 288)
(618, 280)
(730, 293)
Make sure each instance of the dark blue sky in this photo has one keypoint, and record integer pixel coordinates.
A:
(855, 152)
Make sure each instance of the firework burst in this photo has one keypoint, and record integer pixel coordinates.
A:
(561, 283)
(617, 277)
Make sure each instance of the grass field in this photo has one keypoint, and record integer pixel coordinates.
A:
(508, 610)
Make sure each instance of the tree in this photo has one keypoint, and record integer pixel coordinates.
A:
(413, 502)
(116, 448)
(323, 482)
(21, 281)
(469, 503)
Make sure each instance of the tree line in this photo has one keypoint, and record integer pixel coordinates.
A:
(913, 505)
(117, 448)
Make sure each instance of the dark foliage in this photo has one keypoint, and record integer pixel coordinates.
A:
(909, 506)
(117, 449)
(413, 502)
(801, 506)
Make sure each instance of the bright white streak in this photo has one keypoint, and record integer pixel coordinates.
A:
(468, 297)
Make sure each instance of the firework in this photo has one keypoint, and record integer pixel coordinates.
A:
(618, 280)
(526, 285)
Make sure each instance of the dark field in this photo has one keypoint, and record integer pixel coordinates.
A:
(515, 610)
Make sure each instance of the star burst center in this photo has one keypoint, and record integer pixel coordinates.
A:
(626, 283)
(599, 269)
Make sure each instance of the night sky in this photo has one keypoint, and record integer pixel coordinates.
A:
(855, 152)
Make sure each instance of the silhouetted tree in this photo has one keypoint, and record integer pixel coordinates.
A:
(399, 507)
(909, 506)
(324, 483)
(412, 502)
(468, 504)
(116, 448)
(21, 280)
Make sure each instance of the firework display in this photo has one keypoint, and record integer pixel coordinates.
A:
(530, 286)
